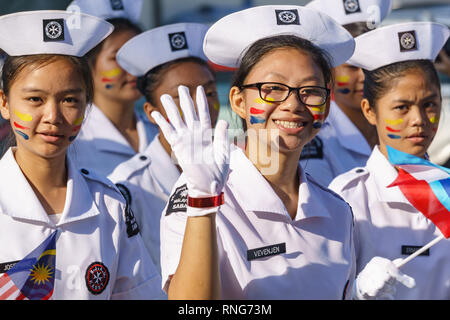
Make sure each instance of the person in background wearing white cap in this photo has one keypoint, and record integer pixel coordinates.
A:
(277, 234)
(66, 233)
(114, 131)
(402, 98)
(346, 138)
(178, 59)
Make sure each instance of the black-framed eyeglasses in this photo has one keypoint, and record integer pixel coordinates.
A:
(279, 92)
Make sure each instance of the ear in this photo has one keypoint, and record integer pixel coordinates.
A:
(4, 107)
(237, 102)
(369, 112)
(148, 109)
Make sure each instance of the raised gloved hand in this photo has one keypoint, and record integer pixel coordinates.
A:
(378, 280)
(205, 163)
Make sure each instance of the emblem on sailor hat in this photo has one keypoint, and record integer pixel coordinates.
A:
(287, 17)
(116, 5)
(351, 6)
(178, 41)
(407, 40)
(53, 29)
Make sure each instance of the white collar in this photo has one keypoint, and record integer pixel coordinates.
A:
(384, 174)
(18, 199)
(255, 193)
(109, 138)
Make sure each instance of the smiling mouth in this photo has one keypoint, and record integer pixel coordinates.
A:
(290, 124)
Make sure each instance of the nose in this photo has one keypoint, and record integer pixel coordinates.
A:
(52, 113)
(417, 116)
(293, 103)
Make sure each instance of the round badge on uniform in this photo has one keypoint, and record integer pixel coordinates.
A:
(97, 277)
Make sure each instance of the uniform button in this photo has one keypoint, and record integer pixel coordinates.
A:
(143, 158)
(84, 171)
(359, 170)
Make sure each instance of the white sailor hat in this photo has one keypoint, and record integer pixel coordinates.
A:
(227, 40)
(350, 11)
(51, 32)
(108, 9)
(399, 42)
(154, 47)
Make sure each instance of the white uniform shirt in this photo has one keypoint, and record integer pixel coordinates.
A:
(100, 147)
(254, 229)
(92, 229)
(148, 178)
(338, 147)
(386, 225)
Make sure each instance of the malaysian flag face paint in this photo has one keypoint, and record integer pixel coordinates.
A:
(258, 111)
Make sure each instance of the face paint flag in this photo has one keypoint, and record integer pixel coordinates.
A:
(429, 194)
(33, 277)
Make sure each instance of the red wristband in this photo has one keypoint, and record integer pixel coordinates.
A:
(206, 202)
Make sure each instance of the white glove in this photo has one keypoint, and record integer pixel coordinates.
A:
(378, 280)
(205, 163)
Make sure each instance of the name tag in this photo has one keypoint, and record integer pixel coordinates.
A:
(268, 251)
(5, 267)
(408, 250)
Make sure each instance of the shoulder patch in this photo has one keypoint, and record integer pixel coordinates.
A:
(92, 175)
(313, 149)
(341, 181)
(130, 220)
(178, 200)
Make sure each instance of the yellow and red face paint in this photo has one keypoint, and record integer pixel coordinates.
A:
(76, 128)
(257, 113)
(24, 117)
(342, 82)
(433, 120)
(391, 122)
(109, 76)
(318, 113)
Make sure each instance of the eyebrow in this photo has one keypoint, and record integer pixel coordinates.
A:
(67, 91)
(209, 83)
(310, 78)
(431, 96)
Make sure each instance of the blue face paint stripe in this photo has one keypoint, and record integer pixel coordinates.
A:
(22, 134)
(256, 120)
(393, 136)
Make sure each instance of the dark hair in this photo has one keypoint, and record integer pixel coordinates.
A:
(120, 24)
(356, 28)
(379, 81)
(15, 64)
(148, 83)
(263, 46)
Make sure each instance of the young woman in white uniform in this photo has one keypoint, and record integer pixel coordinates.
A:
(346, 139)
(403, 100)
(178, 59)
(277, 234)
(43, 195)
(114, 131)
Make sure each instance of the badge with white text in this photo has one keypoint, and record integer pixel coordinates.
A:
(97, 277)
(268, 251)
(178, 200)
